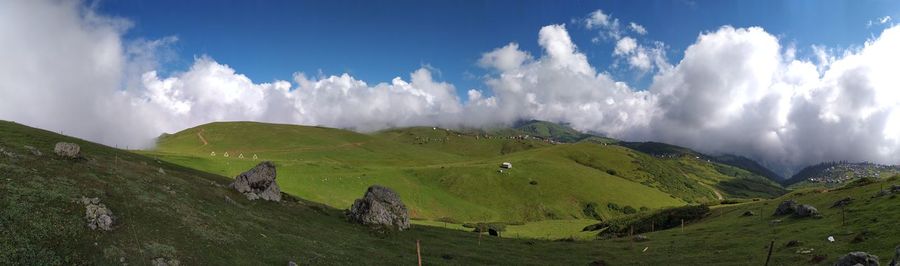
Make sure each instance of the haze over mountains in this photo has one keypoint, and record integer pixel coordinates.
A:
(742, 91)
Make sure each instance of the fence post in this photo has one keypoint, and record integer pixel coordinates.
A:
(771, 245)
(418, 252)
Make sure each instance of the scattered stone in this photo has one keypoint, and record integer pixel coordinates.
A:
(164, 262)
(793, 243)
(98, 216)
(774, 222)
(843, 202)
(292, 263)
(641, 238)
(895, 188)
(748, 213)
(161, 171)
(8, 153)
(258, 183)
(806, 210)
(805, 251)
(786, 207)
(380, 207)
(34, 151)
(67, 150)
(857, 258)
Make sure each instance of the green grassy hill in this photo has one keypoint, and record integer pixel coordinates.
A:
(454, 175)
(192, 216)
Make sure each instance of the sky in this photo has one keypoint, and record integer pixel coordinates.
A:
(787, 83)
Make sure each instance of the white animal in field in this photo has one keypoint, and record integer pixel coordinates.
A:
(254, 157)
(212, 153)
(241, 156)
(226, 154)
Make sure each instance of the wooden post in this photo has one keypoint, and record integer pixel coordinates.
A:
(682, 225)
(768, 257)
(652, 226)
(842, 215)
(418, 252)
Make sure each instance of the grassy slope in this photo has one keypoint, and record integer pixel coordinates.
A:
(452, 174)
(40, 223)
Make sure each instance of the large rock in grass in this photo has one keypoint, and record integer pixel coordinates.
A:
(857, 258)
(786, 207)
(258, 183)
(806, 210)
(380, 207)
(67, 150)
(98, 216)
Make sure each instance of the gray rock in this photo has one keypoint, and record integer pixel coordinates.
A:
(67, 150)
(806, 210)
(857, 258)
(786, 207)
(161, 171)
(8, 153)
(896, 260)
(843, 202)
(380, 207)
(34, 151)
(258, 183)
(98, 216)
(292, 263)
(895, 188)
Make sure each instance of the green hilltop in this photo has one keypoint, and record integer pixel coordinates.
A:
(165, 210)
(454, 175)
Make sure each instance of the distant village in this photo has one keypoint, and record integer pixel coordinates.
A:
(843, 172)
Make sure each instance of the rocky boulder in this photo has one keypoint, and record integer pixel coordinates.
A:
(98, 216)
(806, 210)
(67, 150)
(857, 258)
(380, 207)
(786, 207)
(258, 183)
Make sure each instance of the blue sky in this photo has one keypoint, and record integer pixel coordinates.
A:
(376, 41)
(715, 76)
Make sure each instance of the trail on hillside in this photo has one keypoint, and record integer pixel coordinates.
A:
(718, 194)
(200, 134)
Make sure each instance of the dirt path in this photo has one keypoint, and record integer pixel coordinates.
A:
(718, 194)
(200, 134)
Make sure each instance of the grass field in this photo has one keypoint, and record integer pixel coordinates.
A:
(191, 216)
(449, 174)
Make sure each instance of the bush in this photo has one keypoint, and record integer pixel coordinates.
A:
(629, 210)
(611, 172)
(533, 183)
(644, 222)
(590, 210)
(614, 207)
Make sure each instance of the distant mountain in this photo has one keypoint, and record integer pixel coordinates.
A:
(841, 172)
(659, 149)
(552, 131)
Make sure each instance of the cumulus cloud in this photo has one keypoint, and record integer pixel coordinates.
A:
(736, 90)
(637, 28)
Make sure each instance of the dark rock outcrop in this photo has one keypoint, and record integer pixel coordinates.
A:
(843, 202)
(67, 150)
(258, 183)
(786, 207)
(857, 258)
(380, 207)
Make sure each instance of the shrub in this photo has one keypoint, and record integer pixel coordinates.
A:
(611, 172)
(590, 210)
(614, 207)
(644, 222)
(628, 210)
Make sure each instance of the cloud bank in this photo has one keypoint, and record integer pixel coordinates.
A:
(736, 90)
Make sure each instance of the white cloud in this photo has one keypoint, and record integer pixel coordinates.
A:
(608, 25)
(625, 46)
(637, 28)
(879, 21)
(736, 90)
